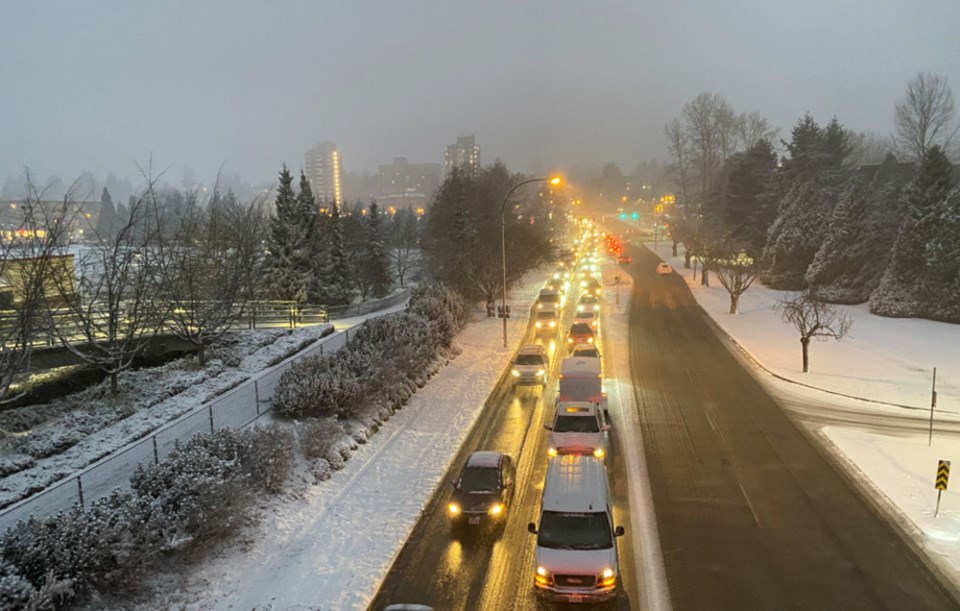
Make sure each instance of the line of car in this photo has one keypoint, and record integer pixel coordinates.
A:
(576, 556)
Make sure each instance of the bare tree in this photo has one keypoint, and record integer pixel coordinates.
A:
(113, 310)
(925, 116)
(736, 270)
(208, 267)
(27, 266)
(812, 317)
(753, 127)
(679, 147)
(403, 243)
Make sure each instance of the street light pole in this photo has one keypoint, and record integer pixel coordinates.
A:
(503, 246)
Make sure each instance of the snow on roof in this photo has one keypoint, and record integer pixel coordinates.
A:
(575, 483)
(484, 459)
(580, 364)
(531, 349)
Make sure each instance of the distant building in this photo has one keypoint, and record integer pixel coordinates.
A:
(324, 171)
(401, 179)
(465, 154)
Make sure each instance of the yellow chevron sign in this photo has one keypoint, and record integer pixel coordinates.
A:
(943, 474)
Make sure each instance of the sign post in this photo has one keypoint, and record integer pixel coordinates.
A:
(943, 477)
(933, 405)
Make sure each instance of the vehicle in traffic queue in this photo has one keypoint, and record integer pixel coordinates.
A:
(593, 287)
(546, 320)
(581, 333)
(585, 351)
(483, 491)
(556, 284)
(548, 298)
(581, 379)
(664, 269)
(578, 428)
(588, 317)
(575, 559)
(531, 365)
(588, 301)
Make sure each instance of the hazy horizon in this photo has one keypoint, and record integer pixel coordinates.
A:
(102, 86)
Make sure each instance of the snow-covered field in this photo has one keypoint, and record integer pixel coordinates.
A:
(328, 545)
(887, 363)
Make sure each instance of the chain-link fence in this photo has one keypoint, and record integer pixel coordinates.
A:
(232, 410)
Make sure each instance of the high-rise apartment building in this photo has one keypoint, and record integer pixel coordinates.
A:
(465, 154)
(404, 178)
(323, 170)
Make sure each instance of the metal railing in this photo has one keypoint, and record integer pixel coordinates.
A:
(235, 409)
(359, 309)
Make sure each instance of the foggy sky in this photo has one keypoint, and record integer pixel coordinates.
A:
(100, 86)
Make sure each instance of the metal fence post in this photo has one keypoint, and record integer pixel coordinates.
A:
(80, 492)
(156, 455)
(210, 411)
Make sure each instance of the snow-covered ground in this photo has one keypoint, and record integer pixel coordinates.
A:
(887, 364)
(329, 545)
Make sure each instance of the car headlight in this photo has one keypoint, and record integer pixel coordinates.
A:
(589, 340)
(454, 509)
(538, 324)
(516, 373)
(496, 509)
(596, 308)
(580, 308)
(543, 577)
(599, 453)
(539, 306)
(551, 451)
(569, 340)
(598, 291)
(607, 579)
(553, 324)
(541, 372)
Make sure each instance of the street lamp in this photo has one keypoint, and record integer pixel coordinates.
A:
(554, 181)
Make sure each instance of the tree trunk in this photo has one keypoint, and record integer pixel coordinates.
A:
(704, 276)
(805, 342)
(114, 383)
(202, 354)
(734, 299)
(674, 248)
(686, 259)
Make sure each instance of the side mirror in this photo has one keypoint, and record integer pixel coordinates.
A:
(605, 427)
(549, 427)
(533, 528)
(618, 531)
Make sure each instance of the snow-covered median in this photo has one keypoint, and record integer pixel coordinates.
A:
(330, 544)
(880, 375)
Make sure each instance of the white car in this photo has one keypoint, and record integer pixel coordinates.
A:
(578, 428)
(531, 365)
(588, 317)
(588, 302)
(664, 269)
(585, 350)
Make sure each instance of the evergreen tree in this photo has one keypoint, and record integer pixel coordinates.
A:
(795, 238)
(905, 290)
(804, 148)
(942, 278)
(287, 277)
(380, 279)
(309, 214)
(107, 219)
(749, 200)
(841, 259)
(338, 277)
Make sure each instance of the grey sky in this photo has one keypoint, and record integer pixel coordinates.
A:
(100, 85)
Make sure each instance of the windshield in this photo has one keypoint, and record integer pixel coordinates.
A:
(588, 299)
(591, 352)
(529, 359)
(574, 531)
(479, 479)
(576, 424)
(581, 329)
(546, 315)
(586, 315)
(550, 298)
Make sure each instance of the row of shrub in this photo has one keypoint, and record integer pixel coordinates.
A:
(384, 361)
(204, 487)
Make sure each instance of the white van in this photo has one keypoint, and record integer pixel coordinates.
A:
(581, 379)
(578, 428)
(576, 553)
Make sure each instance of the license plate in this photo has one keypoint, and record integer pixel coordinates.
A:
(575, 599)
(474, 520)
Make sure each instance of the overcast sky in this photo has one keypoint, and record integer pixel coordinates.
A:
(100, 85)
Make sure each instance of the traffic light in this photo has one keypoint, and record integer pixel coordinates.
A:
(623, 216)
(634, 216)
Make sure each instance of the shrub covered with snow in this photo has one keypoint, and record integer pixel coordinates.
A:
(378, 365)
(201, 489)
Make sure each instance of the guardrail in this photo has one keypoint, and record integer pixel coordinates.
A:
(359, 309)
(234, 409)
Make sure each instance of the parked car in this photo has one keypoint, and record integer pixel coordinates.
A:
(664, 269)
(531, 365)
(581, 333)
(482, 492)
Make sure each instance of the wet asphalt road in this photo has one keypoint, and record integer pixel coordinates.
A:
(750, 514)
